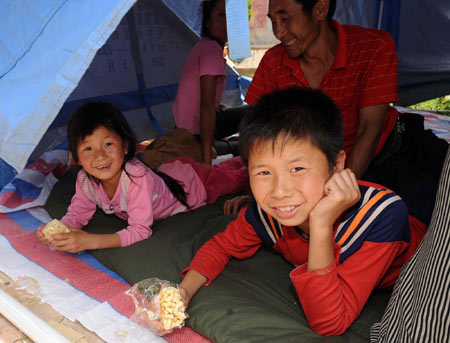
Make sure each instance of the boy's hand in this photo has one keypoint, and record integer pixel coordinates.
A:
(340, 193)
(75, 241)
(41, 237)
(185, 296)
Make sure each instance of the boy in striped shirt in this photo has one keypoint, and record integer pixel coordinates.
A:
(343, 237)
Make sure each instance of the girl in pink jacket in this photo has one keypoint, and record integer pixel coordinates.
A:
(111, 178)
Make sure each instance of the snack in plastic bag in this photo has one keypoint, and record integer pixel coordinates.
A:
(158, 305)
(54, 226)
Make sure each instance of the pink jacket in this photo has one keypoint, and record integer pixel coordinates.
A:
(139, 200)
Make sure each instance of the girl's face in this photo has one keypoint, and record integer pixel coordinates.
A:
(217, 23)
(102, 155)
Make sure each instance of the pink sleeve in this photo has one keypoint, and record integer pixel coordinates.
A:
(239, 240)
(333, 297)
(140, 211)
(211, 61)
(80, 210)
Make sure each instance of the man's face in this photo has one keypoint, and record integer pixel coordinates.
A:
(295, 30)
(287, 179)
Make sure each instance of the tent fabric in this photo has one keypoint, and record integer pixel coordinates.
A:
(420, 29)
(36, 79)
(56, 55)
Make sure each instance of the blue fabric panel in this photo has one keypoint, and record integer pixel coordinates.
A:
(7, 173)
(133, 99)
(23, 188)
(56, 41)
(189, 11)
(238, 29)
(390, 17)
(25, 220)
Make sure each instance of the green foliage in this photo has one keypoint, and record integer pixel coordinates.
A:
(249, 4)
(439, 104)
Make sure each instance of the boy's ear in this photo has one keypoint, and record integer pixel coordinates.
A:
(340, 162)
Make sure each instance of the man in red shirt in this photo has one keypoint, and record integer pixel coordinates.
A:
(355, 66)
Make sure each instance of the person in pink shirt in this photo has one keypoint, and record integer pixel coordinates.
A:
(113, 179)
(197, 106)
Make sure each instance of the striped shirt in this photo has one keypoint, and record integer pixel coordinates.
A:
(419, 308)
(364, 73)
(373, 239)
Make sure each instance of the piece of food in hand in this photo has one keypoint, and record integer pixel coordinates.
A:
(173, 311)
(52, 227)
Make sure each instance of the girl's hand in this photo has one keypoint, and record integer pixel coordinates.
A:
(41, 237)
(75, 241)
(340, 193)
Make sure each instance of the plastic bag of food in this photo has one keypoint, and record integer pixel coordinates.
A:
(158, 305)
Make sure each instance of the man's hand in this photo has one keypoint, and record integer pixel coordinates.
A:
(340, 193)
(233, 206)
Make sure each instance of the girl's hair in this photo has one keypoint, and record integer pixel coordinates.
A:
(91, 115)
(207, 7)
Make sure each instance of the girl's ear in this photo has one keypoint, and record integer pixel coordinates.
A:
(125, 148)
(340, 162)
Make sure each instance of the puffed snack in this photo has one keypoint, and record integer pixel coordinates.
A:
(52, 227)
(172, 308)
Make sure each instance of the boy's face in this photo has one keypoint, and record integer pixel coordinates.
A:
(287, 179)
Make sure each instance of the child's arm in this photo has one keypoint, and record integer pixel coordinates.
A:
(78, 240)
(333, 296)
(239, 240)
(340, 193)
(191, 283)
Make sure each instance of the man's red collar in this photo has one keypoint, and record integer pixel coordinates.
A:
(340, 60)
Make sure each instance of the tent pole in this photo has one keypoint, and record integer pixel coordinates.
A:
(27, 322)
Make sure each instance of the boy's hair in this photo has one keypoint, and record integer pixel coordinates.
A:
(309, 4)
(293, 114)
(207, 7)
(91, 115)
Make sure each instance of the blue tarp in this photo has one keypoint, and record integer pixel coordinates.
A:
(57, 54)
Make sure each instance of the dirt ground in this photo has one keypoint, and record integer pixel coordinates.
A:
(74, 331)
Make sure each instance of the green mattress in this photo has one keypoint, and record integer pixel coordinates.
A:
(253, 300)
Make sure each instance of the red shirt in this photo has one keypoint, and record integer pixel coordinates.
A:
(364, 73)
(373, 240)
